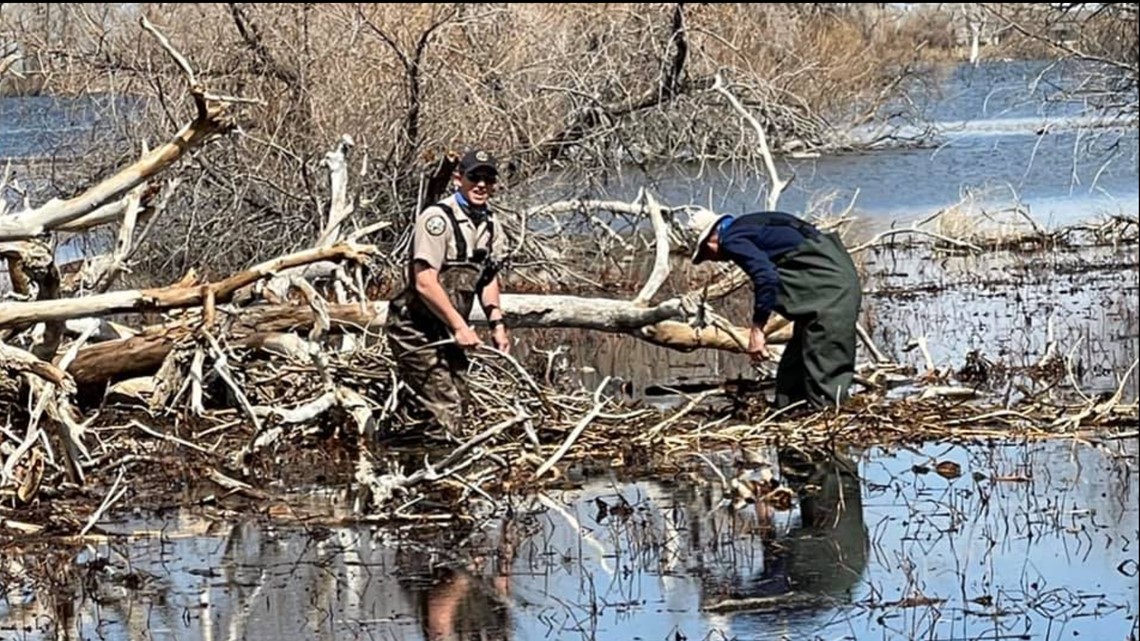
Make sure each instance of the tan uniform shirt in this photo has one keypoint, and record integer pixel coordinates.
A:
(433, 239)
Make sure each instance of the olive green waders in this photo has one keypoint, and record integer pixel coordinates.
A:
(435, 373)
(820, 293)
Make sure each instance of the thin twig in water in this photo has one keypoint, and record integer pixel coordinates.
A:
(168, 437)
(108, 501)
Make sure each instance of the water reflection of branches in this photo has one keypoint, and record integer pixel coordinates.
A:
(988, 552)
(977, 527)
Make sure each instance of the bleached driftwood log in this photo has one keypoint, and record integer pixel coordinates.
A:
(777, 184)
(17, 360)
(165, 298)
(58, 213)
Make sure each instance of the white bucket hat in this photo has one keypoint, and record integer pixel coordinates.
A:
(702, 222)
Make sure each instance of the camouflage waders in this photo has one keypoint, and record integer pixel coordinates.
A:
(434, 372)
(820, 293)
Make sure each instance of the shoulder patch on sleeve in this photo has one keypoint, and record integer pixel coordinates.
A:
(435, 225)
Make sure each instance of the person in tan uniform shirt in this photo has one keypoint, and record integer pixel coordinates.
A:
(455, 248)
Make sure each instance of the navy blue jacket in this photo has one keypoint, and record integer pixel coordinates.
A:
(753, 241)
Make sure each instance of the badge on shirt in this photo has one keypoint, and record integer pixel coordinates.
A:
(435, 225)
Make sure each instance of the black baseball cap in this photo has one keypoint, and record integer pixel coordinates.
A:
(478, 159)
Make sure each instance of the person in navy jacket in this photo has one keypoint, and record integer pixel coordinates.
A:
(807, 276)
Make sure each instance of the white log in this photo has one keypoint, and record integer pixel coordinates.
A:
(339, 206)
(8, 62)
(778, 185)
(660, 272)
(174, 297)
(207, 123)
(110, 213)
(104, 330)
(606, 314)
(17, 360)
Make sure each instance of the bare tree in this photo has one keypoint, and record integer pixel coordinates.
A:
(1101, 38)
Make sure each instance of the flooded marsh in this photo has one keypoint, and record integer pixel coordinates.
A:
(1034, 540)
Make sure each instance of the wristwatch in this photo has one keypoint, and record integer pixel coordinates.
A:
(498, 322)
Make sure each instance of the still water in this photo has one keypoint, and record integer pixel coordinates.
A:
(1031, 541)
(993, 140)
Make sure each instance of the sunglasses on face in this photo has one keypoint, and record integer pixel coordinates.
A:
(479, 177)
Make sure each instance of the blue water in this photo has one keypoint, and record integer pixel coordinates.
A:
(998, 138)
(44, 127)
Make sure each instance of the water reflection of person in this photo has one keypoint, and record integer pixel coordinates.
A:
(469, 601)
(827, 553)
(824, 555)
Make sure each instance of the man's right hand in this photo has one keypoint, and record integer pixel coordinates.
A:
(466, 338)
(758, 345)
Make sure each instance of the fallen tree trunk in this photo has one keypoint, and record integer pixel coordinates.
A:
(57, 213)
(107, 199)
(662, 325)
(17, 360)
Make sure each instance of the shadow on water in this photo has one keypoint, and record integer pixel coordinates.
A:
(1016, 541)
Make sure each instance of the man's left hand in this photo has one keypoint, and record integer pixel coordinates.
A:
(499, 339)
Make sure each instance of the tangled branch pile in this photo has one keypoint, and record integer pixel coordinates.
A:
(231, 381)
